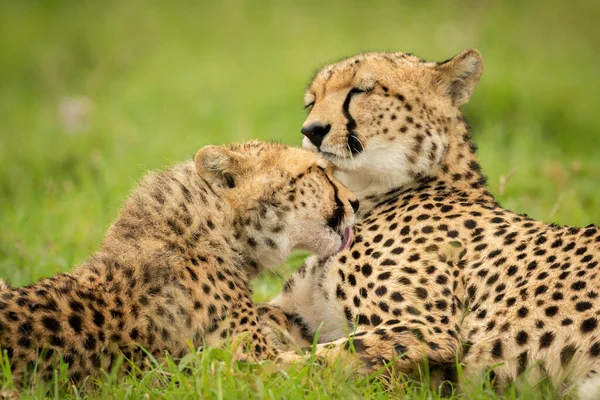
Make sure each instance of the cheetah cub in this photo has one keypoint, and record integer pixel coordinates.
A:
(175, 266)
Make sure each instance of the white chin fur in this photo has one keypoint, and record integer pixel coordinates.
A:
(380, 167)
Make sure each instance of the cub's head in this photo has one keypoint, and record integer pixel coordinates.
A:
(388, 116)
(283, 198)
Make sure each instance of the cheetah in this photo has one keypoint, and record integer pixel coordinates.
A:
(438, 269)
(174, 271)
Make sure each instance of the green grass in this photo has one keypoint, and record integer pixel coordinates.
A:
(161, 79)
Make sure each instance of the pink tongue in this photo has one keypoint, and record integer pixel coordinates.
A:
(347, 238)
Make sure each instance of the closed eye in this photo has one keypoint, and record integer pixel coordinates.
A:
(361, 90)
(309, 105)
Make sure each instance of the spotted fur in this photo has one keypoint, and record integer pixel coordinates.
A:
(438, 269)
(174, 270)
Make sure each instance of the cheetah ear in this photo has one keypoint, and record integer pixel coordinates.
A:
(458, 76)
(219, 165)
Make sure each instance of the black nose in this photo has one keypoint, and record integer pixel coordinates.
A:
(355, 204)
(315, 132)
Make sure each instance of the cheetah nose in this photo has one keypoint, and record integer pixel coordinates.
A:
(315, 132)
(355, 204)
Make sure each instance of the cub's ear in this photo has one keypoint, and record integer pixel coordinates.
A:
(458, 76)
(221, 166)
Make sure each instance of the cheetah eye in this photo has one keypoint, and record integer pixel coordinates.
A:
(360, 90)
(354, 91)
(309, 105)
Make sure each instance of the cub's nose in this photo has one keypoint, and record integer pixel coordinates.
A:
(315, 132)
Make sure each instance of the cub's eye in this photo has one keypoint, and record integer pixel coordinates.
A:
(309, 105)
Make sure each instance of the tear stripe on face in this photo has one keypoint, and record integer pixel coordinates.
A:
(353, 142)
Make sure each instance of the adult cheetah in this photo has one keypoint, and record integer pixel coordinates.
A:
(438, 269)
(175, 267)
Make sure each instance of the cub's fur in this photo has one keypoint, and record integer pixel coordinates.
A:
(175, 267)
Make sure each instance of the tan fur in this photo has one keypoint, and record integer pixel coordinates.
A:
(438, 269)
(174, 271)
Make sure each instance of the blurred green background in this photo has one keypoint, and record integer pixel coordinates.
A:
(95, 94)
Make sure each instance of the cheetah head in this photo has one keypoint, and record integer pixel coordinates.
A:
(386, 117)
(282, 198)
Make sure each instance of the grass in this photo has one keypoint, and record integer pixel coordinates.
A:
(212, 374)
(94, 94)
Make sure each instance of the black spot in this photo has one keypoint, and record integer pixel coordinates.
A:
(51, 324)
(413, 310)
(583, 306)
(497, 349)
(384, 276)
(566, 354)
(470, 224)
(24, 342)
(541, 289)
(546, 340)
(75, 322)
(397, 297)
(589, 232)
(380, 291)
(134, 334)
(557, 296)
(375, 320)
(551, 311)
(522, 312)
(55, 341)
(352, 280)
(441, 305)
(76, 306)
(414, 257)
(98, 318)
(367, 270)
(595, 349)
(90, 342)
(339, 293)
(522, 363)
(522, 338)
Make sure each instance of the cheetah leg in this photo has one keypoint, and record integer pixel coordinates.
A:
(244, 329)
(296, 304)
(282, 328)
(399, 346)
